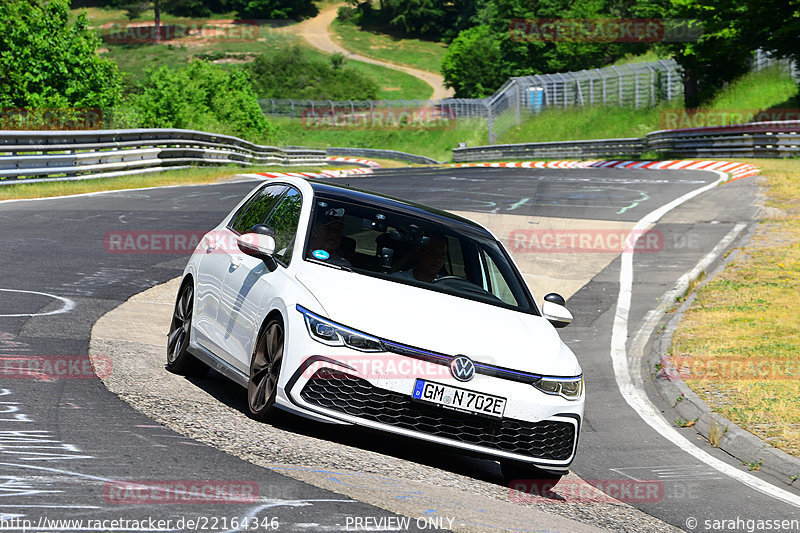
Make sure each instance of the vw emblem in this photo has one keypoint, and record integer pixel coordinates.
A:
(462, 368)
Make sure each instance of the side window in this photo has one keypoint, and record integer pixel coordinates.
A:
(284, 220)
(258, 209)
(497, 284)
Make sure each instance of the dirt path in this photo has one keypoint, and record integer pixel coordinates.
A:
(315, 31)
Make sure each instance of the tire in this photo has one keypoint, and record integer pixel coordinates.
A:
(527, 478)
(265, 369)
(179, 360)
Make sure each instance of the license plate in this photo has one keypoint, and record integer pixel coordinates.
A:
(459, 399)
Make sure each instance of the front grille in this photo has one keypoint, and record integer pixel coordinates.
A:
(357, 397)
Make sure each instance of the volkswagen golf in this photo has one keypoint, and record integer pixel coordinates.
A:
(349, 307)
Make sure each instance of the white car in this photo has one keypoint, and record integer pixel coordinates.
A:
(349, 307)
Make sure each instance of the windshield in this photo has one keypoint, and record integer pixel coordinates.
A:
(378, 242)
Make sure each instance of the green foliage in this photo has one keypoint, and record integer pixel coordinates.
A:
(274, 9)
(46, 61)
(135, 10)
(473, 64)
(432, 19)
(520, 54)
(204, 97)
(291, 73)
(186, 8)
(721, 53)
(774, 25)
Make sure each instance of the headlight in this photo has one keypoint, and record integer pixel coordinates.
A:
(333, 334)
(569, 388)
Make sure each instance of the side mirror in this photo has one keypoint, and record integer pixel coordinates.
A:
(554, 310)
(263, 229)
(257, 245)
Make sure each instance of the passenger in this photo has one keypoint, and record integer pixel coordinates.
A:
(430, 260)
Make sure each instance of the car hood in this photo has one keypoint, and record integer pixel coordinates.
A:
(439, 322)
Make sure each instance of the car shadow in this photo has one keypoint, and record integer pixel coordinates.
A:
(408, 449)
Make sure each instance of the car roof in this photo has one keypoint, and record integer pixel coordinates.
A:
(406, 207)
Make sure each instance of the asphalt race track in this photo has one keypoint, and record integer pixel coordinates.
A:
(65, 442)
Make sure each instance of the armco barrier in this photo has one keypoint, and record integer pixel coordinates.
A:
(628, 148)
(47, 155)
(756, 140)
(383, 154)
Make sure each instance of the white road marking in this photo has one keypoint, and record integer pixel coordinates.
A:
(628, 375)
(68, 305)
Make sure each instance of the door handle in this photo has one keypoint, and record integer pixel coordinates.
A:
(236, 261)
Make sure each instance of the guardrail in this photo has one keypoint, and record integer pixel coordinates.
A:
(756, 139)
(624, 148)
(50, 155)
(383, 154)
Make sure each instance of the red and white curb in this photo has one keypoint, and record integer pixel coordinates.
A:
(320, 174)
(368, 162)
(370, 165)
(735, 169)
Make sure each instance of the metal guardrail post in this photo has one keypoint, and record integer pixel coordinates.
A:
(621, 100)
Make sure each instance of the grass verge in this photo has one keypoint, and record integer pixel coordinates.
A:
(746, 96)
(432, 143)
(187, 176)
(392, 84)
(416, 53)
(741, 336)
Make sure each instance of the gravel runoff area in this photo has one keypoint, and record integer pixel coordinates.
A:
(394, 474)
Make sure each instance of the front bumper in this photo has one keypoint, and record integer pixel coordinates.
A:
(538, 429)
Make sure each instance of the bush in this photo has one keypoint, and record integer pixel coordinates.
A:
(290, 73)
(347, 15)
(200, 96)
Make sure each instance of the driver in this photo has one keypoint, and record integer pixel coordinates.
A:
(327, 236)
(430, 260)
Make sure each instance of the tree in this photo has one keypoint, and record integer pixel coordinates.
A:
(721, 54)
(432, 19)
(473, 64)
(274, 9)
(508, 53)
(774, 25)
(46, 61)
